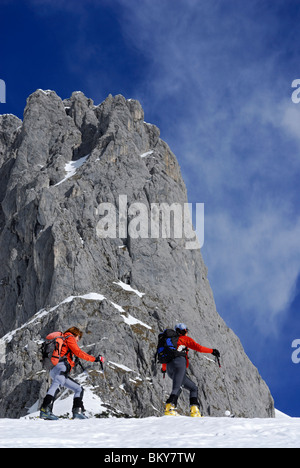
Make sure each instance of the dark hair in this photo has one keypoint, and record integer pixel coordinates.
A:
(75, 331)
(182, 332)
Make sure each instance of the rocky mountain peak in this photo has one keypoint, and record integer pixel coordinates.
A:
(71, 175)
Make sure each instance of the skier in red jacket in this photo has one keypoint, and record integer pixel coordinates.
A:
(60, 375)
(176, 370)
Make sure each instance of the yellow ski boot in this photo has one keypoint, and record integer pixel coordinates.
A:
(195, 413)
(170, 410)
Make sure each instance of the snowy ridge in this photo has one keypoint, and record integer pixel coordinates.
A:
(129, 319)
(154, 432)
(41, 313)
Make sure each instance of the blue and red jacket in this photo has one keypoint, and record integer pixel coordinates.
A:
(185, 343)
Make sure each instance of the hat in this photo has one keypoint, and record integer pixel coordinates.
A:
(181, 327)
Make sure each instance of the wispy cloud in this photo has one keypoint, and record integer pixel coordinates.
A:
(218, 86)
(255, 266)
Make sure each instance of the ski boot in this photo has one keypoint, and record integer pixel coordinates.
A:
(194, 411)
(78, 409)
(170, 410)
(46, 409)
(46, 413)
(78, 413)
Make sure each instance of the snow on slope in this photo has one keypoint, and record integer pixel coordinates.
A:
(129, 319)
(71, 168)
(166, 433)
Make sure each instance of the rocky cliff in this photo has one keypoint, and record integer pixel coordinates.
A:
(78, 184)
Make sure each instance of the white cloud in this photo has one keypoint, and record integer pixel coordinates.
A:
(291, 120)
(255, 266)
(226, 111)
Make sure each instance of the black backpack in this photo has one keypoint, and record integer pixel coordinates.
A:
(167, 346)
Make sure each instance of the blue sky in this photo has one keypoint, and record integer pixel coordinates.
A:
(215, 76)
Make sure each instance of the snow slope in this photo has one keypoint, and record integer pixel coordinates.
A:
(161, 432)
(181, 432)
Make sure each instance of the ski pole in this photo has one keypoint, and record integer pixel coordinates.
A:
(108, 406)
(102, 368)
(163, 387)
(225, 386)
(101, 364)
(85, 371)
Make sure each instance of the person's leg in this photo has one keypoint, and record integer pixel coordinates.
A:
(58, 376)
(176, 370)
(189, 385)
(78, 408)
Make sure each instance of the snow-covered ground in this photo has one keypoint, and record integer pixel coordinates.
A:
(166, 432)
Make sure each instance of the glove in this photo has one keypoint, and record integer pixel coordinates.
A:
(99, 358)
(216, 353)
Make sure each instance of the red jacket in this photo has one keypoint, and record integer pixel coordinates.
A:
(71, 347)
(186, 343)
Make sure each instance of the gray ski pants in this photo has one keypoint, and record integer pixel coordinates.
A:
(176, 370)
(60, 378)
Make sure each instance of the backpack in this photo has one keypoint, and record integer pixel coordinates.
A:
(51, 349)
(167, 346)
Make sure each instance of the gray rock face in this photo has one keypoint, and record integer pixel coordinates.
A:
(57, 170)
